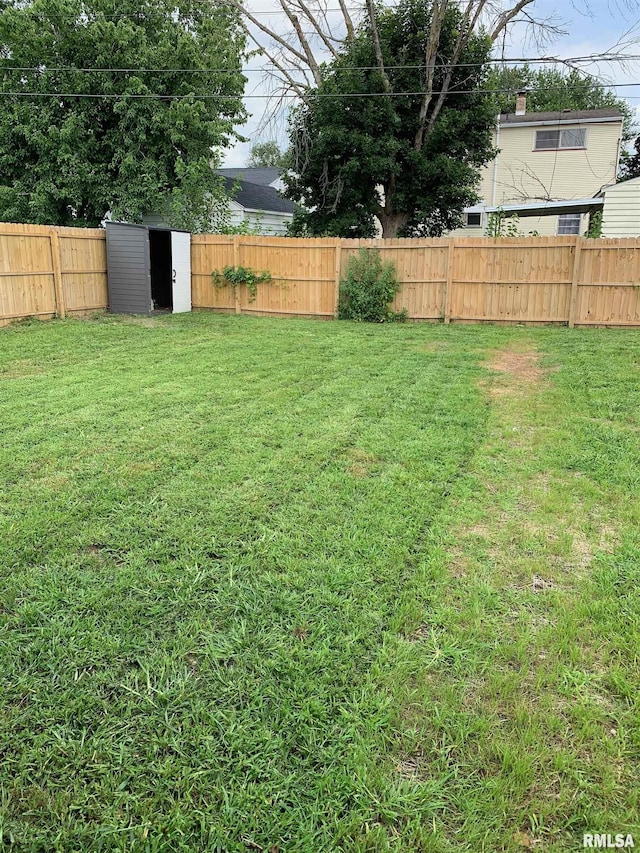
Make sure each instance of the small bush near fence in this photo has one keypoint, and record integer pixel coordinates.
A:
(368, 289)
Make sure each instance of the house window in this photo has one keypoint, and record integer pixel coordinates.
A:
(569, 223)
(552, 140)
(473, 220)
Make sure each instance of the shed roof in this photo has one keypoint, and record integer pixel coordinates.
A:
(635, 182)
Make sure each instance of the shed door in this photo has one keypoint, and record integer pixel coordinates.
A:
(128, 269)
(181, 272)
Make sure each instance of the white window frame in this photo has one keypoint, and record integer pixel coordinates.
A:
(569, 216)
(560, 147)
(468, 224)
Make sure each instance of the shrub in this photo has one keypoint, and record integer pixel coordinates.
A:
(235, 276)
(368, 289)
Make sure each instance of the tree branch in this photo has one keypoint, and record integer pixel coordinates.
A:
(326, 40)
(269, 32)
(505, 19)
(311, 60)
(431, 52)
(347, 20)
(376, 43)
(468, 23)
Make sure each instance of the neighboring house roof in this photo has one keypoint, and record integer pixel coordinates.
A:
(262, 176)
(257, 197)
(562, 117)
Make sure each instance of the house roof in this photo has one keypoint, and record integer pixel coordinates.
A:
(257, 197)
(562, 117)
(262, 176)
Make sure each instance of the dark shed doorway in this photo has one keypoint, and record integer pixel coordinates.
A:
(161, 268)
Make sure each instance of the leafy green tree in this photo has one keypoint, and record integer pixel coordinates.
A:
(411, 160)
(548, 90)
(265, 154)
(630, 163)
(68, 160)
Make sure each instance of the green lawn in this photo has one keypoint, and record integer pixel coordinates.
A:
(295, 586)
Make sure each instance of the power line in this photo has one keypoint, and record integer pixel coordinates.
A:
(169, 97)
(542, 60)
(90, 14)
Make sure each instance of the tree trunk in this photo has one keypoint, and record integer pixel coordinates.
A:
(392, 222)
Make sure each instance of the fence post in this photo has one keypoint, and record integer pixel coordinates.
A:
(574, 282)
(449, 280)
(338, 272)
(236, 263)
(57, 273)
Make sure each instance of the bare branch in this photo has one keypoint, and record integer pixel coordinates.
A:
(269, 32)
(311, 60)
(326, 40)
(469, 21)
(296, 86)
(431, 51)
(347, 20)
(376, 43)
(506, 17)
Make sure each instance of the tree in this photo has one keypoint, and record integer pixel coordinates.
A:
(265, 154)
(630, 163)
(410, 156)
(313, 31)
(130, 142)
(550, 90)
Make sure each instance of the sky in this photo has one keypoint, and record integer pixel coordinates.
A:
(593, 26)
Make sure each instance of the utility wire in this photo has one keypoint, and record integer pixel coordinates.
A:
(95, 13)
(287, 95)
(543, 60)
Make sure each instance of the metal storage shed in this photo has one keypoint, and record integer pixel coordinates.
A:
(149, 269)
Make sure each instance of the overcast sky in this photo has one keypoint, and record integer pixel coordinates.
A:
(594, 26)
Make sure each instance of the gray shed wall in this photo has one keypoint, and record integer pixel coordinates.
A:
(128, 265)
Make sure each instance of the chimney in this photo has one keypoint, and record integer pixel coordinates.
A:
(521, 103)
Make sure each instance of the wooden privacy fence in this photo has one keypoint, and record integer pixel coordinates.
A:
(305, 274)
(568, 280)
(48, 271)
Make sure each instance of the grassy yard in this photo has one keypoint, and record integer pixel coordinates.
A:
(299, 587)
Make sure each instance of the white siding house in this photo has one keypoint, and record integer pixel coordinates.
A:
(621, 210)
(255, 199)
(547, 157)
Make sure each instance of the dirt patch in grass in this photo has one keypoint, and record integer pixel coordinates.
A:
(360, 462)
(524, 366)
(540, 584)
(411, 768)
(102, 553)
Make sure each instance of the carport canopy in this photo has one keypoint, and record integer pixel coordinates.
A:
(551, 208)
